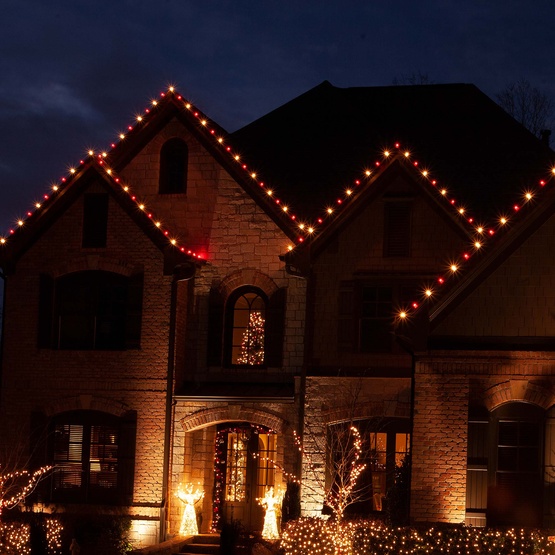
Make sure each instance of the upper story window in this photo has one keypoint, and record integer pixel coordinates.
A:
(397, 229)
(91, 310)
(366, 313)
(173, 167)
(246, 329)
(93, 457)
(95, 220)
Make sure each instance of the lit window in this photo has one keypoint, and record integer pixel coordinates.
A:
(87, 457)
(248, 329)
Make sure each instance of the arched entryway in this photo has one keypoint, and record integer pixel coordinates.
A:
(244, 470)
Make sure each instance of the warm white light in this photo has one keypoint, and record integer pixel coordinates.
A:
(253, 175)
(310, 230)
(503, 221)
(368, 173)
(121, 136)
(189, 526)
(480, 229)
(271, 502)
(330, 210)
(72, 170)
(425, 173)
(386, 153)
(139, 118)
(348, 192)
(461, 210)
(158, 224)
(477, 244)
(407, 154)
(402, 315)
(285, 208)
(453, 267)
(270, 192)
(443, 192)
(428, 292)
(20, 222)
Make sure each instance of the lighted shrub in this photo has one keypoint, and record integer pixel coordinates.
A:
(308, 536)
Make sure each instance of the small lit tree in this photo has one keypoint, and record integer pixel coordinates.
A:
(252, 344)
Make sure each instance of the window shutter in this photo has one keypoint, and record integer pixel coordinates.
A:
(345, 318)
(397, 224)
(95, 220)
(126, 457)
(477, 473)
(215, 328)
(46, 311)
(134, 312)
(275, 323)
(173, 167)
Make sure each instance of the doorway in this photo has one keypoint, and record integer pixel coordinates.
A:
(244, 471)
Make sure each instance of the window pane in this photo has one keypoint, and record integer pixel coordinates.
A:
(248, 330)
(236, 467)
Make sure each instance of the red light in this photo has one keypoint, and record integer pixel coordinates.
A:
(339, 201)
(397, 145)
(319, 220)
(516, 207)
(440, 280)
(542, 182)
(414, 305)
(415, 163)
(466, 256)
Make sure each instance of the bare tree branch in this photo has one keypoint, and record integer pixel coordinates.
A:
(528, 105)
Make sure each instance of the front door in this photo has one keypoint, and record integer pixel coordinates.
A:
(249, 472)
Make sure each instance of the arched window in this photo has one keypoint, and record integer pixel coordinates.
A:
(173, 167)
(246, 327)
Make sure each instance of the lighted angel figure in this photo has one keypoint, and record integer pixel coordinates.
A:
(189, 526)
(271, 503)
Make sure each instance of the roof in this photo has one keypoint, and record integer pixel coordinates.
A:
(312, 147)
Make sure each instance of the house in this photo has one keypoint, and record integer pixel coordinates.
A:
(179, 306)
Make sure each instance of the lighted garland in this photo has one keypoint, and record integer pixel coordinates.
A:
(212, 130)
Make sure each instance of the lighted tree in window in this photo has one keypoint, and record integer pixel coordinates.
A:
(252, 344)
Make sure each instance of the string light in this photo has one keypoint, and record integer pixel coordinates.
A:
(389, 155)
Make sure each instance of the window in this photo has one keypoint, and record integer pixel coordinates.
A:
(397, 229)
(173, 167)
(365, 315)
(91, 310)
(385, 445)
(95, 220)
(92, 456)
(247, 315)
(246, 329)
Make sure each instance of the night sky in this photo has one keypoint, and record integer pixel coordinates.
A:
(74, 73)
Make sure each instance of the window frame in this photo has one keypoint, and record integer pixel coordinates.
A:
(351, 314)
(118, 469)
(107, 305)
(230, 326)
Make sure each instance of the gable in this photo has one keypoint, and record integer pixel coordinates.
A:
(515, 302)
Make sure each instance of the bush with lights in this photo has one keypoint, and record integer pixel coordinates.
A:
(316, 536)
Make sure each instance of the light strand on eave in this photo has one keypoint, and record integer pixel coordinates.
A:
(307, 230)
(458, 264)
